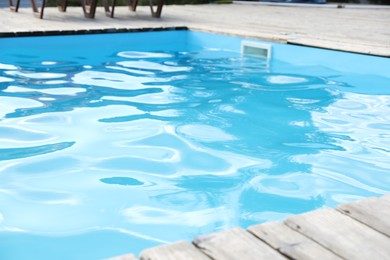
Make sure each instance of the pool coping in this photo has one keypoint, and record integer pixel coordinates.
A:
(298, 42)
(89, 31)
(325, 5)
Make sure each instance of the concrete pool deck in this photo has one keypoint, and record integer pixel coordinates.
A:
(361, 29)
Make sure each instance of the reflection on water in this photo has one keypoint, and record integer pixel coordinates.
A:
(149, 148)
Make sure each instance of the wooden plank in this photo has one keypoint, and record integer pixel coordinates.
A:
(123, 257)
(341, 234)
(175, 251)
(235, 244)
(374, 212)
(289, 242)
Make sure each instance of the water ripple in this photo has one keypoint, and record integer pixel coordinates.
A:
(150, 215)
(15, 153)
(18, 135)
(126, 181)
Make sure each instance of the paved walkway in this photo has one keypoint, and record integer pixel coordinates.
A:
(356, 29)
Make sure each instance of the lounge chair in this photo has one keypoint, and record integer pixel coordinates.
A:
(89, 7)
(109, 9)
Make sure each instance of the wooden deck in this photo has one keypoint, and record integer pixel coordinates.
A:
(356, 230)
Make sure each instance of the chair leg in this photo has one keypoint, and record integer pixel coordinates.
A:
(133, 5)
(14, 8)
(106, 4)
(156, 13)
(42, 9)
(34, 6)
(62, 5)
(89, 8)
(38, 13)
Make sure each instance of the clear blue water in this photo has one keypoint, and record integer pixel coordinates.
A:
(110, 144)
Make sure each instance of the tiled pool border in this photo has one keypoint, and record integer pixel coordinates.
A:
(90, 31)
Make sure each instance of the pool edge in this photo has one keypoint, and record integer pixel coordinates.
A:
(89, 31)
(320, 44)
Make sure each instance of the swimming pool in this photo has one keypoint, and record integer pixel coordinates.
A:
(117, 142)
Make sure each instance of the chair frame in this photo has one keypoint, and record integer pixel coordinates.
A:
(89, 7)
(109, 9)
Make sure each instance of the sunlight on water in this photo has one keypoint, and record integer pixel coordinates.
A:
(155, 147)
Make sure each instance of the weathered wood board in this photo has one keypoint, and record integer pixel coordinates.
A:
(341, 234)
(374, 212)
(290, 242)
(235, 244)
(175, 251)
